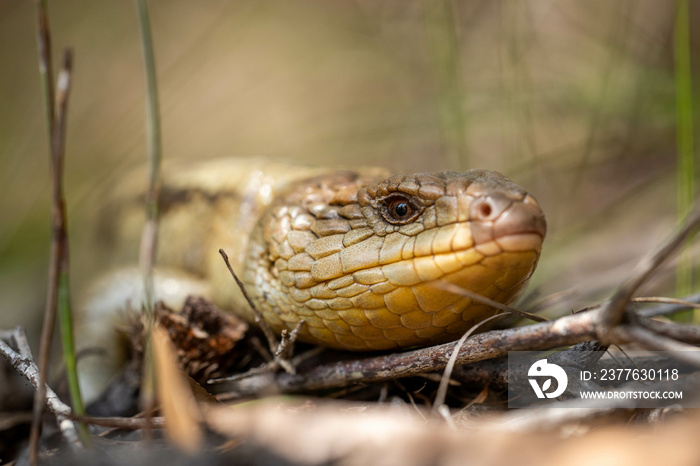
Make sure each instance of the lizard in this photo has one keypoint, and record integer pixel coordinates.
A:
(354, 253)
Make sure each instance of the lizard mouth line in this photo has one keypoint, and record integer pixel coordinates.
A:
(527, 239)
(517, 242)
(512, 242)
(509, 239)
(435, 265)
(508, 243)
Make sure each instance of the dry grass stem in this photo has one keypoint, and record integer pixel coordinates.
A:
(661, 299)
(46, 74)
(444, 381)
(126, 423)
(279, 350)
(58, 267)
(259, 319)
(614, 310)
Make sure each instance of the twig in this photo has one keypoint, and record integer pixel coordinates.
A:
(9, 420)
(284, 351)
(655, 342)
(267, 331)
(262, 350)
(444, 381)
(281, 350)
(23, 363)
(43, 42)
(130, 423)
(670, 308)
(491, 372)
(614, 311)
(58, 293)
(679, 332)
(264, 368)
(46, 74)
(671, 305)
(664, 300)
(565, 331)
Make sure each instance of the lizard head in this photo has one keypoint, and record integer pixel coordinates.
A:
(358, 259)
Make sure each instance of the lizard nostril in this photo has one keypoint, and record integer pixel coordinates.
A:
(485, 210)
(488, 208)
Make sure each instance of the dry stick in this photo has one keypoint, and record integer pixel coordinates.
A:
(685, 333)
(444, 381)
(15, 419)
(663, 300)
(43, 43)
(23, 363)
(58, 269)
(264, 368)
(268, 367)
(129, 423)
(275, 348)
(284, 350)
(46, 74)
(269, 334)
(565, 331)
(655, 342)
(550, 300)
(614, 311)
(671, 307)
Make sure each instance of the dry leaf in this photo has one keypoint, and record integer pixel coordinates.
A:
(176, 399)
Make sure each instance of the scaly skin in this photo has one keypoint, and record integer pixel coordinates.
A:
(329, 252)
(355, 254)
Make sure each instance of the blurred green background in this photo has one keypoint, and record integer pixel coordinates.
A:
(573, 100)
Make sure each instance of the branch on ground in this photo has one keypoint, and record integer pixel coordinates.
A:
(22, 361)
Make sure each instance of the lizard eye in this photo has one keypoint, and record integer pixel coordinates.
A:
(398, 209)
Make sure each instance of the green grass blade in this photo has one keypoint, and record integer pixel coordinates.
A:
(148, 251)
(684, 135)
(65, 316)
(149, 241)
